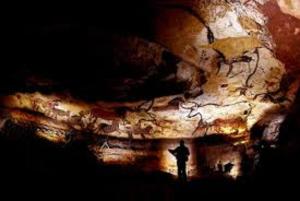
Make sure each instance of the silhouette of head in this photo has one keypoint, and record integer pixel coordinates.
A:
(181, 143)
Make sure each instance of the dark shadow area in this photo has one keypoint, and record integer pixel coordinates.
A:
(73, 50)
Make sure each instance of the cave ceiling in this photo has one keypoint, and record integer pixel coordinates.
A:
(187, 70)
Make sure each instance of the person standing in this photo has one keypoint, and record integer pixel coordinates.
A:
(182, 154)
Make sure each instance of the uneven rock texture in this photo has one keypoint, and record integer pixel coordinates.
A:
(223, 67)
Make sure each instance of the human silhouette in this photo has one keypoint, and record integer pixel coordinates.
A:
(220, 167)
(228, 167)
(182, 154)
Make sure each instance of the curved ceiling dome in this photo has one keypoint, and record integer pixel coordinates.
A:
(185, 69)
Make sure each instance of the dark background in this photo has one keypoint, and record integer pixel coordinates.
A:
(58, 42)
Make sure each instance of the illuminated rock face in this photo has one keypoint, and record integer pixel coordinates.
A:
(232, 77)
(290, 7)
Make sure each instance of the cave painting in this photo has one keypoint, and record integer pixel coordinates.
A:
(225, 57)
